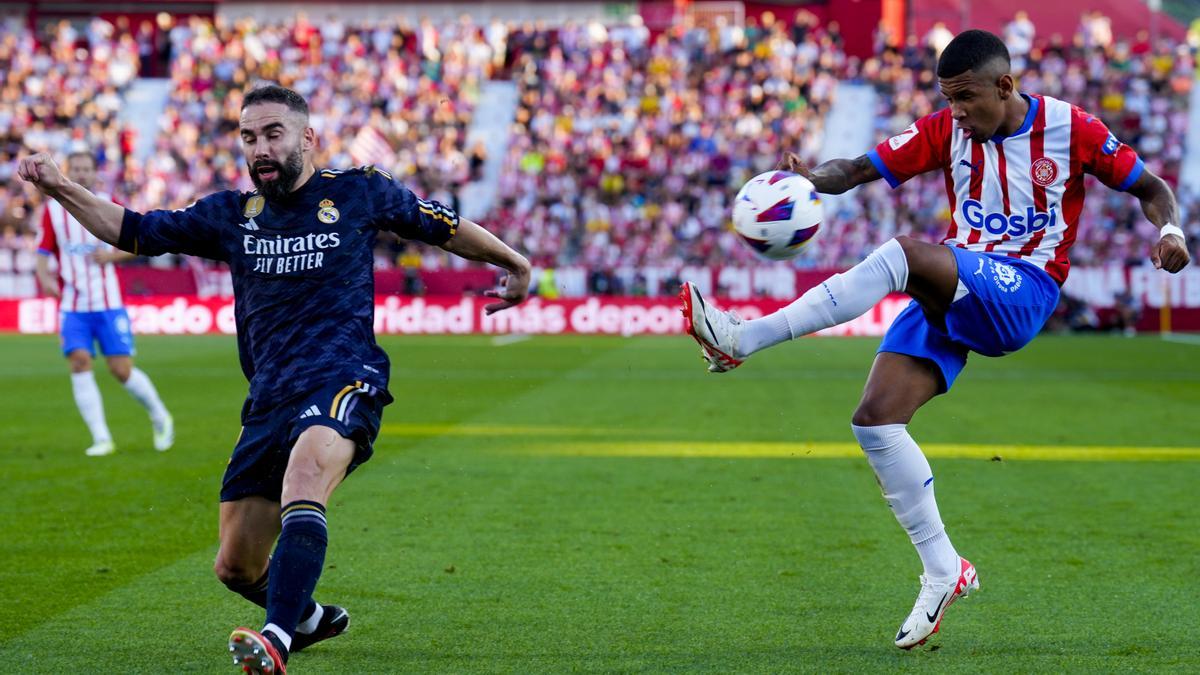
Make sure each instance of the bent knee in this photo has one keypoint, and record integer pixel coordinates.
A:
(873, 413)
(79, 361)
(919, 254)
(237, 573)
(909, 245)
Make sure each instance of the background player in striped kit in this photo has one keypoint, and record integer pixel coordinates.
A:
(1014, 166)
(92, 311)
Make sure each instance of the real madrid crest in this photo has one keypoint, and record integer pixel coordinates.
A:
(327, 213)
(254, 206)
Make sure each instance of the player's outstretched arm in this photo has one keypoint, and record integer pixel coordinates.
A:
(835, 176)
(475, 243)
(113, 256)
(1158, 203)
(101, 217)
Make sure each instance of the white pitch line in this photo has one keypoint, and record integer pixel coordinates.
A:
(502, 340)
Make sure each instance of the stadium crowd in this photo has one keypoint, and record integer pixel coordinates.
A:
(60, 89)
(612, 162)
(394, 94)
(1140, 90)
(627, 147)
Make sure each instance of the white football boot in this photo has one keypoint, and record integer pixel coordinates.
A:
(935, 597)
(101, 449)
(717, 331)
(164, 433)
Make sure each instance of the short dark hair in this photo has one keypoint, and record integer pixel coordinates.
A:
(273, 93)
(971, 50)
(86, 154)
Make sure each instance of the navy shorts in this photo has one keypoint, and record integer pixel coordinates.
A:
(265, 444)
(81, 330)
(1007, 302)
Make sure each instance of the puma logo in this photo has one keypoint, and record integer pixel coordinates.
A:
(973, 167)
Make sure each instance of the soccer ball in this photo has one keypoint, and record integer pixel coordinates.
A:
(777, 213)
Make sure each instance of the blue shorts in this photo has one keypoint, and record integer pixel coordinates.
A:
(261, 455)
(1007, 302)
(81, 330)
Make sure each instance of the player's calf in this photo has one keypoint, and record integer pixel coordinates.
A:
(727, 340)
(295, 567)
(239, 581)
(315, 619)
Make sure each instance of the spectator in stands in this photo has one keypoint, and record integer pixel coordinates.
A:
(1018, 37)
(627, 146)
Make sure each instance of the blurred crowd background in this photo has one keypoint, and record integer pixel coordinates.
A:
(627, 146)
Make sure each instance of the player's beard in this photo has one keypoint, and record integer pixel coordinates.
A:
(285, 178)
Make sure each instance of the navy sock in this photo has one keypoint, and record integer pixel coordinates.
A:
(257, 593)
(296, 565)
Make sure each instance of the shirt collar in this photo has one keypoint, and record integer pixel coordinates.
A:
(1025, 125)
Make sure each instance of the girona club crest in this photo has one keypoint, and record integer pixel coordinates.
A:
(1044, 171)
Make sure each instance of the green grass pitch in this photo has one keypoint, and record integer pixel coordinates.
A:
(536, 507)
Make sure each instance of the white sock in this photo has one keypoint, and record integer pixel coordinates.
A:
(310, 624)
(283, 637)
(907, 483)
(838, 299)
(142, 389)
(765, 332)
(91, 406)
(938, 556)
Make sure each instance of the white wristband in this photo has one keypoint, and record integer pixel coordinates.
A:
(1170, 228)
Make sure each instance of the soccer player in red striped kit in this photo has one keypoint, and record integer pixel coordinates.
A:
(91, 312)
(1014, 166)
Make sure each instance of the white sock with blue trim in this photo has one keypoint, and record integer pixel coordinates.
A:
(839, 299)
(907, 483)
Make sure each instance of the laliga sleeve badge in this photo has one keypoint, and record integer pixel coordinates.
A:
(254, 206)
(327, 213)
(1110, 144)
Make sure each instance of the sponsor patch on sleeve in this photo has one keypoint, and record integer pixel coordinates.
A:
(1110, 144)
(895, 142)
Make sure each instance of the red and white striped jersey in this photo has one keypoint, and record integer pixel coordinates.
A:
(1019, 195)
(87, 286)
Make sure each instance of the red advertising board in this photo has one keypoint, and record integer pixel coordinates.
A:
(399, 315)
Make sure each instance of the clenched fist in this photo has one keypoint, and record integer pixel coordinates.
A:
(792, 162)
(1170, 254)
(41, 170)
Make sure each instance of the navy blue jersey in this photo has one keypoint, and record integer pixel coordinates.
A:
(303, 283)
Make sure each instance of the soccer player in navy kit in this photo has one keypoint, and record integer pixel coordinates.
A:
(300, 251)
